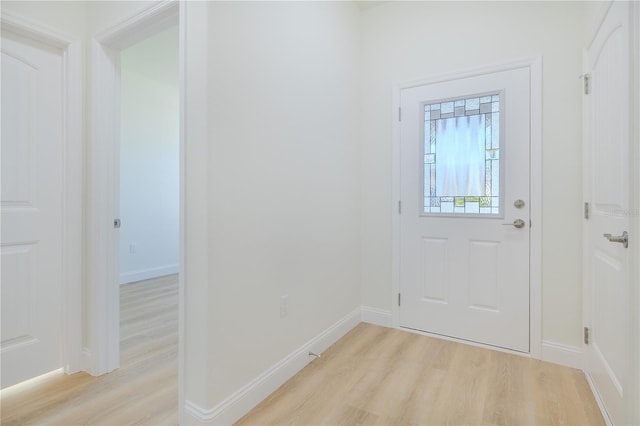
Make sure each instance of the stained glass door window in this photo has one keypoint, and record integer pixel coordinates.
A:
(462, 156)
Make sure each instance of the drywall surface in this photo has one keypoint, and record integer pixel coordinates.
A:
(149, 158)
(283, 177)
(412, 40)
(67, 17)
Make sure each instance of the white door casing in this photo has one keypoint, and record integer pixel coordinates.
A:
(468, 276)
(32, 208)
(607, 190)
(103, 303)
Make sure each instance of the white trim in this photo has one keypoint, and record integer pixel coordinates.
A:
(182, 42)
(596, 395)
(535, 185)
(131, 30)
(558, 353)
(72, 199)
(35, 30)
(395, 203)
(634, 257)
(376, 316)
(586, 193)
(635, 199)
(635, 272)
(244, 399)
(148, 273)
(195, 288)
(103, 318)
(472, 72)
(535, 298)
(102, 208)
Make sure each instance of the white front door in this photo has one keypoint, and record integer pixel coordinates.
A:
(31, 206)
(608, 289)
(464, 224)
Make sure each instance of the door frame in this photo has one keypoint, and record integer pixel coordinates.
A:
(635, 194)
(534, 64)
(102, 351)
(634, 199)
(72, 180)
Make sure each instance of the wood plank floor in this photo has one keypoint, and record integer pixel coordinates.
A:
(373, 376)
(382, 376)
(143, 391)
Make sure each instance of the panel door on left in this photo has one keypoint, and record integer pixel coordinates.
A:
(31, 208)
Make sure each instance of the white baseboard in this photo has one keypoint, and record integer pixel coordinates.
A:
(376, 316)
(558, 353)
(243, 400)
(596, 395)
(145, 274)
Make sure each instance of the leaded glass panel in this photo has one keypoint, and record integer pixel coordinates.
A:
(462, 156)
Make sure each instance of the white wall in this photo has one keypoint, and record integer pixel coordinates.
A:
(283, 179)
(149, 158)
(412, 40)
(67, 17)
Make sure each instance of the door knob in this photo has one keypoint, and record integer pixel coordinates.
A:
(624, 238)
(518, 223)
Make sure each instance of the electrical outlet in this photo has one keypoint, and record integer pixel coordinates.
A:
(132, 248)
(284, 305)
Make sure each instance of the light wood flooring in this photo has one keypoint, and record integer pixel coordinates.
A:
(143, 390)
(382, 376)
(373, 376)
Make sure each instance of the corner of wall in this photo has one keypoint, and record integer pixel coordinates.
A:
(377, 316)
(558, 353)
(246, 398)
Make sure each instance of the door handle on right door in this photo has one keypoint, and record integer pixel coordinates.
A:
(624, 238)
(518, 223)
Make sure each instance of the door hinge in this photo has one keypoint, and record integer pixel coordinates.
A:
(116, 223)
(586, 210)
(587, 83)
(586, 335)
(399, 114)
(398, 299)
(399, 207)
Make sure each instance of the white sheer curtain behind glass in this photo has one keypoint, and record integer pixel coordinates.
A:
(460, 153)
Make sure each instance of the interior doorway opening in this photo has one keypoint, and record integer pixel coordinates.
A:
(149, 202)
(149, 158)
(103, 340)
